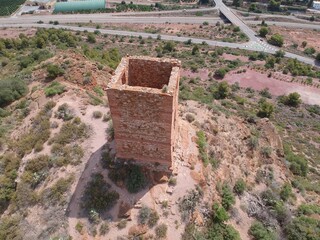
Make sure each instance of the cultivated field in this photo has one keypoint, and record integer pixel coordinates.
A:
(8, 7)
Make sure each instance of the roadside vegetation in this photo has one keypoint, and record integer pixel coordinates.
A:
(126, 7)
(273, 6)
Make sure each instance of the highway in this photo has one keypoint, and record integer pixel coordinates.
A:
(263, 47)
(103, 18)
(255, 43)
(120, 18)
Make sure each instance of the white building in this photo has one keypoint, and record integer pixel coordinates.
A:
(316, 5)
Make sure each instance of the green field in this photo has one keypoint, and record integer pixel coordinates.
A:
(9, 6)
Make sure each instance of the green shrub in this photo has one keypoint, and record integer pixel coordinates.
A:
(227, 197)
(135, 180)
(98, 194)
(280, 54)
(57, 192)
(265, 93)
(276, 39)
(286, 192)
(277, 207)
(202, 145)
(10, 228)
(222, 91)
(265, 108)
(188, 203)
(190, 117)
(3, 113)
(303, 228)
(64, 112)
(54, 71)
(298, 164)
(259, 232)
(148, 216)
(253, 142)
(308, 209)
(98, 90)
(104, 228)
(172, 181)
(161, 231)
(79, 227)
(292, 100)
(144, 214)
(220, 215)
(26, 62)
(97, 114)
(297, 68)
(169, 46)
(153, 219)
(122, 224)
(266, 151)
(106, 159)
(94, 100)
(94, 216)
(309, 51)
(62, 155)
(11, 90)
(220, 73)
(38, 134)
(36, 170)
(9, 163)
(239, 187)
(263, 32)
(54, 88)
(70, 132)
(91, 38)
(223, 231)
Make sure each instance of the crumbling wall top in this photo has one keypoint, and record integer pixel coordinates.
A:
(147, 74)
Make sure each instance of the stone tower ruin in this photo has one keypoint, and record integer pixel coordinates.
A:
(143, 100)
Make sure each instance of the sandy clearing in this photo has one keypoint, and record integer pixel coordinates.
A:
(259, 81)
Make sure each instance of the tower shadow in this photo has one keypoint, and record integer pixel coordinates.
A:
(126, 200)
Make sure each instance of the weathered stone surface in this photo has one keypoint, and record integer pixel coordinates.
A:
(137, 230)
(124, 210)
(160, 177)
(143, 100)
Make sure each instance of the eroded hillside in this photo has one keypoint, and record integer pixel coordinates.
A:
(246, 163)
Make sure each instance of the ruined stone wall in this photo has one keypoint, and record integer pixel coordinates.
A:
(140, 74)
(144, 117)
(143, 125)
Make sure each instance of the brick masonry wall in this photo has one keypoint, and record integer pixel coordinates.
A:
(143, 117)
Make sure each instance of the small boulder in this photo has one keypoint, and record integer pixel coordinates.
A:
(137, 230)
(124, 210)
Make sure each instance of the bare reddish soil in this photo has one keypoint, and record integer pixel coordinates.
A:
(297, 36)
(259, 81)
(15, 32)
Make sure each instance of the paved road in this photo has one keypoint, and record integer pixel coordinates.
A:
(255, 43)
(103, 18)
(129, 33)
(119, 18)
(263, 47)
(234, 19)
